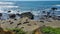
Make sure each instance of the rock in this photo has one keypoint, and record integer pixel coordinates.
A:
(12, 16)
(27, 14)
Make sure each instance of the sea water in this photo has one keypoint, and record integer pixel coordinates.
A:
(32, 6)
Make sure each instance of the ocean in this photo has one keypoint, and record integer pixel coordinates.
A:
(27, 5)
(32, 6)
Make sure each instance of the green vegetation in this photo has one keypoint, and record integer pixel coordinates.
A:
(17, 31)
(50, 30)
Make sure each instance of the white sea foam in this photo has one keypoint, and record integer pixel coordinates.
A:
(6, 3)
(1, 11)
(57, 10)
(57, 5)
(8, 6)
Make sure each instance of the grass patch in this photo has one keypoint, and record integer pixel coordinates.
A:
(17, 30)
(50, 30)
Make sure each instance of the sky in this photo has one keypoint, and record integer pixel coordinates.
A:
(29, 0)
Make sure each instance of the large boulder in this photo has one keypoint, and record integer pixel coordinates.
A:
(0, 14)
(18, 14)
(9, 11)
(12, 16)
(53, 8)
(27, 14)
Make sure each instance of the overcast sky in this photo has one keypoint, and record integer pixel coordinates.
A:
(29, 0)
